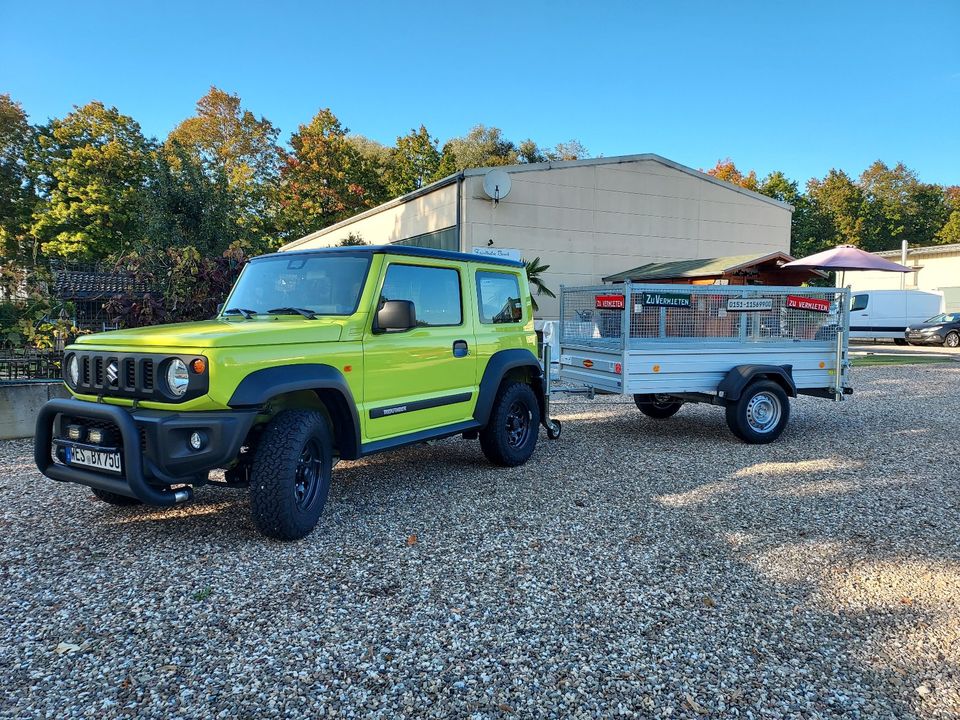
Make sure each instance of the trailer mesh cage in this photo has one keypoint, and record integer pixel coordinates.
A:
(606, 314)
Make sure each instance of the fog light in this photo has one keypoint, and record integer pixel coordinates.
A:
(74, 432)
(95, 436)
(196, 440)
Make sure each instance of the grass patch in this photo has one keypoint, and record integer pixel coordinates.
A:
(869, 360)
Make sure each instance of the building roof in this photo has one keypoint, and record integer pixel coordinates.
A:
(407, 250)
(82, 284)
(923, 250)
(704, 267)
(534, 167)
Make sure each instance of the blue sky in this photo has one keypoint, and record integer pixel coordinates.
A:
(800, 86)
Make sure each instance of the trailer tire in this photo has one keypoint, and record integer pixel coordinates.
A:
(114, 498)
(510, 435)
(761, 413)
(290, 477)
(659, 407)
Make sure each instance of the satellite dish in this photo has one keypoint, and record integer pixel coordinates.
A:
(496, 184)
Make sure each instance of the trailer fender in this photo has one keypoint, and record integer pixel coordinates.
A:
(733, 384)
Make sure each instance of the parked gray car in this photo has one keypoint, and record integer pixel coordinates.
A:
(942, 329)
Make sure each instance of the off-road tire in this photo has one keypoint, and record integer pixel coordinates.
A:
(654, 406)
(502, 441)
(114, 499)
(279, 509)
(743, 415)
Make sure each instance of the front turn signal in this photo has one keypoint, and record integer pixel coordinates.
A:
(199, 366)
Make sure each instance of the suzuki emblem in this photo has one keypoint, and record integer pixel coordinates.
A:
(113, 372)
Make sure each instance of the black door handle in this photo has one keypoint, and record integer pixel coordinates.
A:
(460, 348)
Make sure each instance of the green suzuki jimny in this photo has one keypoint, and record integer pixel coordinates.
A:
(317, 355)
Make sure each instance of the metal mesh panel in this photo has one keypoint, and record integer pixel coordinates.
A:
(676, 313)
(582, 321)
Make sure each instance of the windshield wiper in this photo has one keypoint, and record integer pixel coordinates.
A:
(247, 314)
(309, 314)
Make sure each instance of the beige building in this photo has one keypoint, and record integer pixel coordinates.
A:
(586, 219)
(937, 269)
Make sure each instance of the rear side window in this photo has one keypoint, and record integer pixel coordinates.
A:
(435, 293)
(860, 302)
(499, 296)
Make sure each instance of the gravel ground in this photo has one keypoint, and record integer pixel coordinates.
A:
(633, 568)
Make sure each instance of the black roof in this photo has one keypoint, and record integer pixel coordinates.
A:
(408, 250)
(81, 284)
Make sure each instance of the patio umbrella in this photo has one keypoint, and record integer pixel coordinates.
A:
(846, 257)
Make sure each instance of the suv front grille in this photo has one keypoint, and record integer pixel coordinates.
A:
(129, 375)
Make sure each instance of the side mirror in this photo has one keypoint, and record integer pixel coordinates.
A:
(219, 308)
(396, 316)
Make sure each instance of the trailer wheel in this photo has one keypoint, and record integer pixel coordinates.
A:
(290, 478)
(659, 407)
(510, 436)
(761, 413)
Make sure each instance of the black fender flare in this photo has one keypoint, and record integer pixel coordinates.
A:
(328, 382)
(499, 364)
(738, 378)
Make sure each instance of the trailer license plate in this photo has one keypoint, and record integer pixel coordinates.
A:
(94, 458)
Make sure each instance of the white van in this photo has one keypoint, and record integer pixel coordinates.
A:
(886, 313)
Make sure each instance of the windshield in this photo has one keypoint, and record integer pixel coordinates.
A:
(945, 318)
(323, 284)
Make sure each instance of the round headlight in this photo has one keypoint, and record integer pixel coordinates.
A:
(73, 371)
(177, 378)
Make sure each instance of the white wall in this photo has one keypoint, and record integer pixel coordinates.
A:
(595, 220)
(433, 211)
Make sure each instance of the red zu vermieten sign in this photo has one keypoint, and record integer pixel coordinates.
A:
(610, 302)
(805, 303)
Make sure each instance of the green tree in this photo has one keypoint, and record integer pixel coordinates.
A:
(837, 205)
(229, 141)
(192, 205)
(950, 232)
(535, 269)
(96, 168)
(898, 207)
(414, 162)
(375, 158)
(325, 179)
(17, 196)
(483, 147)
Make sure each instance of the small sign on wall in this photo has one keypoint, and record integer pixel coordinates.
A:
(505, 253)
(749, 304)
(610, 302)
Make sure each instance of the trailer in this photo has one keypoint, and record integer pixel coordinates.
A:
(746, 348)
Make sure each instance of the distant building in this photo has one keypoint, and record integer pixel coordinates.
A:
(734, 270)
(586, 219)
(936, 269)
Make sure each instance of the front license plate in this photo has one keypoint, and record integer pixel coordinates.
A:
(109, 461)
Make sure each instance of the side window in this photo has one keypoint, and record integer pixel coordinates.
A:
(499, 296)
(860, 302)
(435, 292)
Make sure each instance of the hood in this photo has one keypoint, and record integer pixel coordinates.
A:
(222, 332)
(921, 326)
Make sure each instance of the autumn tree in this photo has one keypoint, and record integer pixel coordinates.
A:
(96, 166)
(414, 162)
(727, 171)
(229, 141)
(325, 178)
(17, 196)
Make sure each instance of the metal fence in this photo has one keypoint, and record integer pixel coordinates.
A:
(715, 313)
(18, 364)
